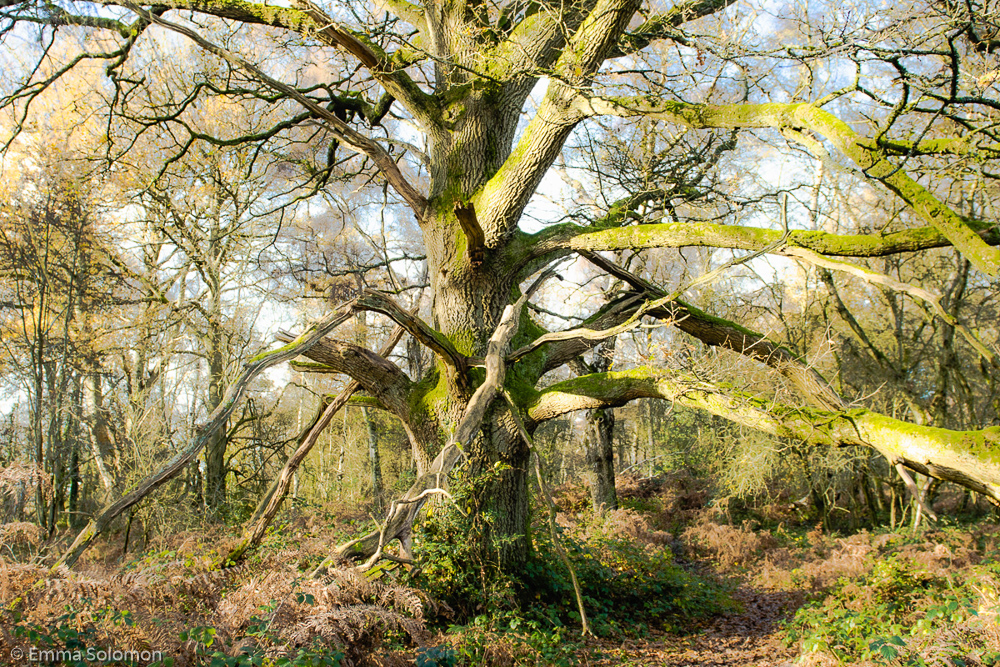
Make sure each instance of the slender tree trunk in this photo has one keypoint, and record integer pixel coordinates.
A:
(74, 485)
(600, 451)
(374, 459)
(98, 436)
(215, 450)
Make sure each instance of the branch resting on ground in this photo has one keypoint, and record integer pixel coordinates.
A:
(271, 502)
(205, 430)
(968, 458)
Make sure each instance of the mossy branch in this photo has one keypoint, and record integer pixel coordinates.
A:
(968, 458)
(870, 158)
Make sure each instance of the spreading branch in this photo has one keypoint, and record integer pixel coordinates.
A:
(339, 128)
(963, 457)
(807, 117)
(561, 240)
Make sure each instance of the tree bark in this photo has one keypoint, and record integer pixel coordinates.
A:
(600, 440)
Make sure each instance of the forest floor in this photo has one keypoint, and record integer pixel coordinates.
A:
(671, 579)
(752, 636)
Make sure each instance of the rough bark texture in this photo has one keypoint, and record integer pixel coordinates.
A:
(600, 452)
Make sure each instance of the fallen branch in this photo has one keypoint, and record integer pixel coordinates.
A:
(271, 502)
(205, 430)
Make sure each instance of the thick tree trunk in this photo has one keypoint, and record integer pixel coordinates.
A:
(471, 288)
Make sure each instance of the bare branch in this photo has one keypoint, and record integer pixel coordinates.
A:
(205, 430)
(876, 278)
(718, 332)
(346, 134)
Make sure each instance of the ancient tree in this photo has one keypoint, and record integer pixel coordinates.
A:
(456, 111)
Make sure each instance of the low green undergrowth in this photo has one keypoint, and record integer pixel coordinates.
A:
(629, 581)
(629, 585)
(903, 613)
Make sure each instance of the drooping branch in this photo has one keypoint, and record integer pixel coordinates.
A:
(205, 431)
(802, 116)
(918, 497)
(552, 512)
(969, 458)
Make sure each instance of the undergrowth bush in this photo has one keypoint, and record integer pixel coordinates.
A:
(903, 613)
(266, 613)
(627, 573)
(456, 565)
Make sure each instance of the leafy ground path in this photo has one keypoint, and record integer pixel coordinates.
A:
(747, 638)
